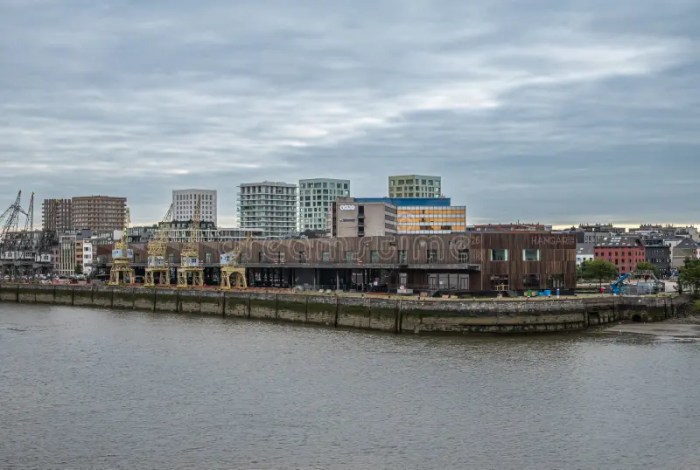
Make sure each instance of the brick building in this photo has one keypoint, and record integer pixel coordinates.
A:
(99, 213)
(57, 215)
(623, 251)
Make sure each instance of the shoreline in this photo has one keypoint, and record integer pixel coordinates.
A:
(400, 316)
(685, 328)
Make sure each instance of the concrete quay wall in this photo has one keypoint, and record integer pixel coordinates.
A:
(398, 316)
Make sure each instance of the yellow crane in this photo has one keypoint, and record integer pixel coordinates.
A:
(232, 273)
(122, 273)
(190, 273)
(157, 266)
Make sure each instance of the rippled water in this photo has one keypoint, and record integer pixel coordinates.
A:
(85, 388)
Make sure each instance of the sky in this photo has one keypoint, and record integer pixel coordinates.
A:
(559, 112)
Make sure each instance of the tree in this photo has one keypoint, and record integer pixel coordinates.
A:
(78, 269)
(599, 269)
(689, 275)
(647, 266)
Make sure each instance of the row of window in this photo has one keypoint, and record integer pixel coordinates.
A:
(399, 182)
(324, 184)
(529, 254)
(268, 190)
(192, 197)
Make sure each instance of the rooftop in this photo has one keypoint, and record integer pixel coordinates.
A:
(407, 201)
(620, 241)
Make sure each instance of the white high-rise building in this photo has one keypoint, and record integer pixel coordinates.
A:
(315, 198)
(269, 206)
(185, 201)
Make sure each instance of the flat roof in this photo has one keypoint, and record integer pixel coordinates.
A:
(408, 201)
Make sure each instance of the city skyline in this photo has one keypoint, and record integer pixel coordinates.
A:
(38, 203)
(581, 111)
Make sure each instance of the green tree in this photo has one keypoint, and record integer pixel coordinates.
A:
(78, 269)
(647, 266)
(689, 276)
(599, 269)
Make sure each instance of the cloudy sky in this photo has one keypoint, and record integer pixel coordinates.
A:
(560, 112)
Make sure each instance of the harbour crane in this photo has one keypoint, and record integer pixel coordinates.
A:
(157, 267)
(20, 247)
(231, 269)
(10, 224)
(122, 273)
(190, 273)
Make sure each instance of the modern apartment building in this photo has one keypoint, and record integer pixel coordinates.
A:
(56, 215)
(268, 206)
(98, 213)
(424, 215)
(66, 255)
(348, 217)
(315, 198)
(83, 256)
(422, 186)
(185, 201)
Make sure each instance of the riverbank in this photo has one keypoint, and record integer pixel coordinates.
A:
(680, 327)
(391, 315)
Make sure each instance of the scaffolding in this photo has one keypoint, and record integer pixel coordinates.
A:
(157, 267)
(190, 273)
(122, 274)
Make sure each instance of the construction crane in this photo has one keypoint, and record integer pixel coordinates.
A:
(190, 273)
(231, 269)
(122, 273)
(157, 265)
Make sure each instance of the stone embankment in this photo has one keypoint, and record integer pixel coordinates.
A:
(373, 313)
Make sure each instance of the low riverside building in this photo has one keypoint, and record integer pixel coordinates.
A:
(459, 262)
(686, 249)
(623, 251)
(658, 254)
(584, 252)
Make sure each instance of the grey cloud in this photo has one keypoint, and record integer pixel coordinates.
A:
(513, 103)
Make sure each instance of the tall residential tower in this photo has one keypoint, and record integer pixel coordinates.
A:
(315, 198)
(185, 201)
(99, 213)
(269, 206)
(57, 215)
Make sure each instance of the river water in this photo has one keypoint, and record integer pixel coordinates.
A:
(88, 388)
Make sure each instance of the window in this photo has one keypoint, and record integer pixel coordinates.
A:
(374, 256)
(463, 256)
(499, 255)
(325, 256)
(207, 258)
(350, 256)
(531, 254)
(432, 256)
(403, 257)
(531, 281)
